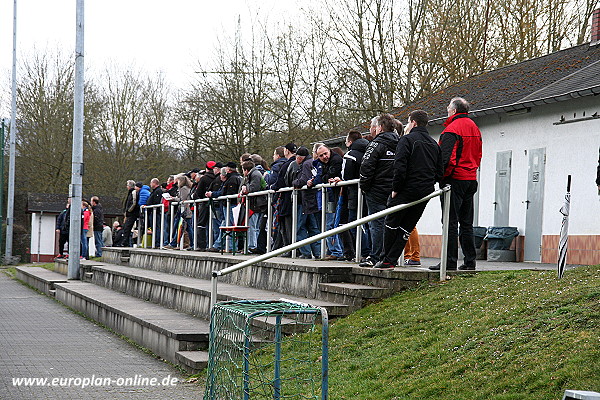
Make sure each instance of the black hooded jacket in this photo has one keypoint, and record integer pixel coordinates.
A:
(418, 165)
(377, 168)
(351, 169)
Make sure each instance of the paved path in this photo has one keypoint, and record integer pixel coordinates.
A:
(39, 338)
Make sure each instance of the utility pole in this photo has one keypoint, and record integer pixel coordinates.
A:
(2, 181)
(75, 191)
(8, 259)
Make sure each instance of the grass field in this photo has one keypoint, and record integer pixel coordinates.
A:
(493, 335)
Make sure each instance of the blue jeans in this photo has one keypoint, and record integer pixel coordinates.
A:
(308, 226)
(334, 244)
(253, 229)
(84, 243)
(99, 242)
(218, 220)
(166, 229)
(376, 227)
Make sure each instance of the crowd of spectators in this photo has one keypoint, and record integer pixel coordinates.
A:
(389, 161)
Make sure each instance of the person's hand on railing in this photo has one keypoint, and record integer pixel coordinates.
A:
(394, 194)
(208, 194)
(310, 182)
(335, 180)
(244, 190)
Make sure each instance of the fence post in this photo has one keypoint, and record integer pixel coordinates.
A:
(145, 226)
(269, 220)
(162, 225)
(227, 219)
(210, 225)
(153, 228)
(172, 222)
(294, 218)
(445, 228)
(195, 226)
(247, 219)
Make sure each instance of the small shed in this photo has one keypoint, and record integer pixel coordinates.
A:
(45, 209)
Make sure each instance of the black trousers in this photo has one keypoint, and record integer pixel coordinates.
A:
(461, 213)
(127, 228)
(398, 227)
(63, 238)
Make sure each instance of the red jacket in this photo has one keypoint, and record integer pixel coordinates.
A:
(461, 148)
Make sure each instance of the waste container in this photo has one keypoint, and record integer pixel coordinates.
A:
(479, 233)
(499, 239)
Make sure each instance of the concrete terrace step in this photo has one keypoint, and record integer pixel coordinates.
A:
(190, 295)
(353, 293)
(40, 278)
(162, 330)
(294, 277)
(192, 360)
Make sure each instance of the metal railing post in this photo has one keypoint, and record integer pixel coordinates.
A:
(227, 219)
(210, 225)
(153, 227)
(145, 226)
(195, 226)
(323, 221)
(269, 220)
(359, 229)
(162, 225)
(172, 222)
(294, 219)
(213, 290)
(445, 229)
(247, 219)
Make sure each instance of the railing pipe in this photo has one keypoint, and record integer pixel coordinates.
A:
(307, 241)
(359, 230)
(294, 220)
(323, 221)
(269, 219)
(162, 225)
(445, 228)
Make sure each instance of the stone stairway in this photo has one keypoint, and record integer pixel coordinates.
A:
(161, 299)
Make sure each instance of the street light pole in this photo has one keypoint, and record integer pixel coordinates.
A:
(77, 158)
(12, 143)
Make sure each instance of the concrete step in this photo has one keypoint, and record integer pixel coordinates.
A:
(166, 332)
(294, 277)
(352, 293)
(192, 360)
(189, 295)
(40, 278)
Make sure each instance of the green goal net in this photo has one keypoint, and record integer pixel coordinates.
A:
(267, 350)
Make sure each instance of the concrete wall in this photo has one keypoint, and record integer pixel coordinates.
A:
(570, 149)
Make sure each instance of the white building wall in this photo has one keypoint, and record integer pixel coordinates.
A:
(43, 234)
(570, 149)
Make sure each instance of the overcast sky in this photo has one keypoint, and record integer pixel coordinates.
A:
(166, 36)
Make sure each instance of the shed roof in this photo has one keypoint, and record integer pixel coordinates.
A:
(559, 76)
(54, 203)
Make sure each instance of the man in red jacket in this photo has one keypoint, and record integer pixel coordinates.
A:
(461, 155)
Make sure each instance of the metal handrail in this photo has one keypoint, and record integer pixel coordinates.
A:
(446, 213)
(253, 194)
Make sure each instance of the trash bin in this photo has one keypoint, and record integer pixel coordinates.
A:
(499, 239)
(479, 233)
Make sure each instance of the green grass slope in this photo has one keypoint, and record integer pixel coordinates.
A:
(495, 335)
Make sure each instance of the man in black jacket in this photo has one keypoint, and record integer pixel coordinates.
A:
(332, 169)
(283, 201)
(376, 176)
(308, 209)
(131, 211)
(98, 225)
(417, 167)
(357, 146)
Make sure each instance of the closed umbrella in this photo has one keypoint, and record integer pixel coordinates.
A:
(564, 231)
